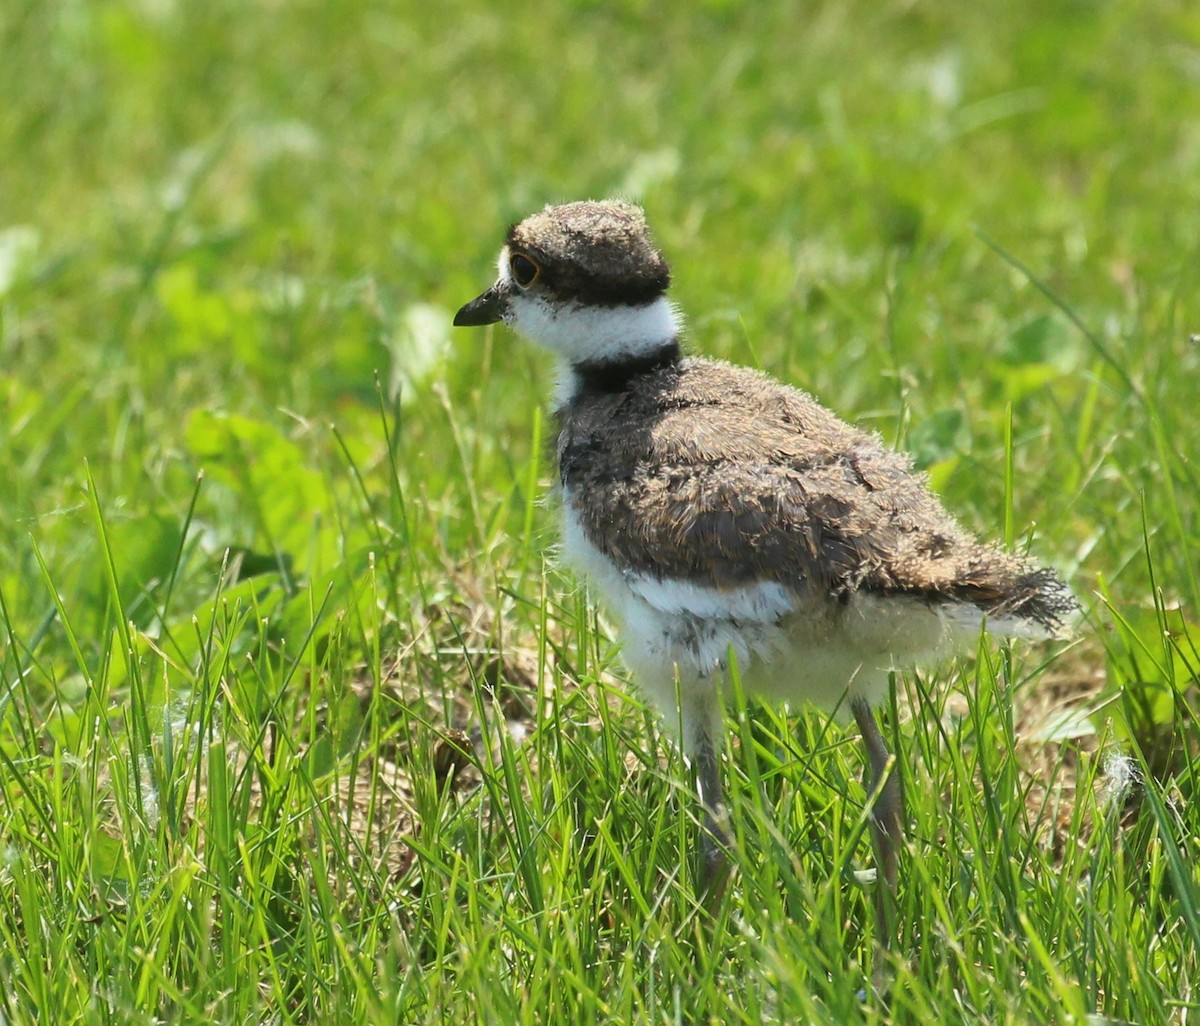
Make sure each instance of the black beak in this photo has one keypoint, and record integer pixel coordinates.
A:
(486, 309)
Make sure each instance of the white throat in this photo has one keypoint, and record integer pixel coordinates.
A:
(595, 334)
(591, 334)
(580, 334)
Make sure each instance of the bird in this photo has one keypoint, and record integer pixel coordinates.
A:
(732, 525)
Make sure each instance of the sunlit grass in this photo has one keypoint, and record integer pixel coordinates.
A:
(299, 722)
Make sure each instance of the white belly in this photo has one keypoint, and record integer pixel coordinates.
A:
(788, 648)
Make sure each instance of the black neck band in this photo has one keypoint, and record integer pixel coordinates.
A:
(608, 376)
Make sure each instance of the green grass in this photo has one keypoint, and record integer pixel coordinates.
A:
(299, 722)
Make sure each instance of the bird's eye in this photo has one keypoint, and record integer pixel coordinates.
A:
(524, 271)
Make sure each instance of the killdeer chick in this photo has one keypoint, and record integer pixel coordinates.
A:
(718, 512)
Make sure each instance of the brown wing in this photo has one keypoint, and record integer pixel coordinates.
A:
(721, 476)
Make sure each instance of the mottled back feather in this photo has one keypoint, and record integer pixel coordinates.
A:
(720, 476)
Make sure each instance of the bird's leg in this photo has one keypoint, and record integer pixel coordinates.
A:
(887, 820)
(715, 840)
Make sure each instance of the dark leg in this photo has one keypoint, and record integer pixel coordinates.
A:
(715, 840)
(887, 819)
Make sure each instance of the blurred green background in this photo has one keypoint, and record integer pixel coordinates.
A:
(225, 227)
(254, 207)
